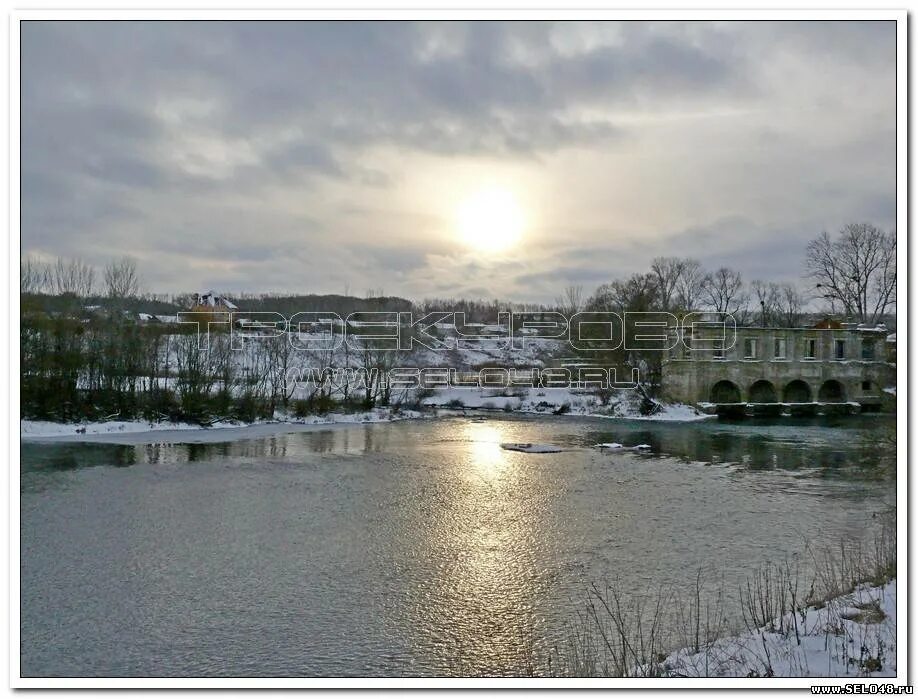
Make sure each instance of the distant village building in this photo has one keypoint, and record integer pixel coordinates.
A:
(213, 303)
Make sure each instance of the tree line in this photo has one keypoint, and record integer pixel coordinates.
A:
(851, 276)
(104, 365)
(74, 277)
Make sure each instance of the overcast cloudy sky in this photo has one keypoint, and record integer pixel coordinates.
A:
(318, 156)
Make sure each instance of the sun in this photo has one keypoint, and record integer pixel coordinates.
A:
(490, 219)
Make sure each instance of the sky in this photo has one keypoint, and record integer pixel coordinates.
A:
(332, 157)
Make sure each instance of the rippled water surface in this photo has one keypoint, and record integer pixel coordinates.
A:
(412, 548)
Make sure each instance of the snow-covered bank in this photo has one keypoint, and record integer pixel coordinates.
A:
(850, 636)
(142, 431)
(527, 402)
(622, 405)
(40, 429)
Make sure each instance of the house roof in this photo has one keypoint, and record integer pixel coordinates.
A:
(212, 299)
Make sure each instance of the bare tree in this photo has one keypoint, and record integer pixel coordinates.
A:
(722, 291)
(121, 278)
(778, 304)
(571, 301)
(33, 276)
(667, 271)
(791, 303)
(637, 293)
(688, 286)
(768, 298)
(857, 269)
(73, 277)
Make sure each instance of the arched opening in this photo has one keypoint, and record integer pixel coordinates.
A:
(725, 392)
(762, 392)
(797, 391)
(832, 392)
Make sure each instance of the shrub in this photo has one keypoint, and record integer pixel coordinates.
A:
(161, 404)
(248, 407)
(317, 404)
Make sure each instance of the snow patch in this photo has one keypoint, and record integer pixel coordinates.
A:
(851, 636)
(567, 401)
(40, 430)
(617, 446)
(530, 448)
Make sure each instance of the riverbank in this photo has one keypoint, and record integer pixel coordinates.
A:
(141, 431)
(619, 404)
(853, 635)
(448, 403)
(831, 616)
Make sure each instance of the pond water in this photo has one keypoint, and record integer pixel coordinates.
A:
(410, 549)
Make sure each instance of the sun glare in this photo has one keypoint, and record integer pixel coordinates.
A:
(490, 220)
(486, 452)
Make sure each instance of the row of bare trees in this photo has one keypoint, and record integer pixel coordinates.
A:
(113, 367)
(852, 274)
(120, 278)
(681, 285)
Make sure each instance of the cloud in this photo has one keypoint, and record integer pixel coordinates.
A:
(218, 152)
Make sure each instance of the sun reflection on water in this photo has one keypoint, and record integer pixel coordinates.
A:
(484, 595)
(484, 441)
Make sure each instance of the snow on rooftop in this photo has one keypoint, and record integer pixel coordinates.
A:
(880, 328)
(211, 299)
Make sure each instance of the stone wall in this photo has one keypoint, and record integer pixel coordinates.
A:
(808, 371)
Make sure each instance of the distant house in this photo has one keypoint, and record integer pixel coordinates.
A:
(213, 303)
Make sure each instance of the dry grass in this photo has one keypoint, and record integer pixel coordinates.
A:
(619, 633)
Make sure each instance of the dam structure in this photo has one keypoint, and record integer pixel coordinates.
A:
(766, 371)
